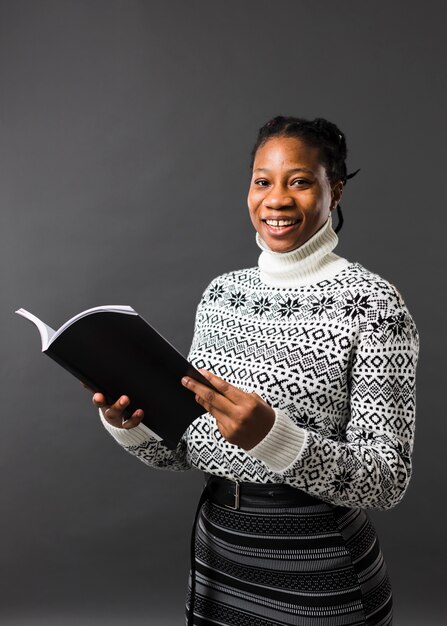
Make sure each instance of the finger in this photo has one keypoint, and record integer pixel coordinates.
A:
(116, 410)
(224, 421)
(206, 397)
(223, 387)
(99, 400)
(134, 420)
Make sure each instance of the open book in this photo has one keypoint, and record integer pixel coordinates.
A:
(113, 350)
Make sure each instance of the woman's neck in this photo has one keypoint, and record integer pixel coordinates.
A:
(310, 263)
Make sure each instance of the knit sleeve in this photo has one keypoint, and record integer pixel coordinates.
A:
(141, 442)
(369, 465)
(144, 444)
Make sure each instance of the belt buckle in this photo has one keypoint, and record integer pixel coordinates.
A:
(237, 490)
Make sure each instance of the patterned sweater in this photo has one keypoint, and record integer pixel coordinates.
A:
(333, 349)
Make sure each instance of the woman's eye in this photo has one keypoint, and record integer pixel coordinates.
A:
(261, 183)
(300, 182)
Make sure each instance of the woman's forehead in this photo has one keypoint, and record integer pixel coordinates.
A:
(287, 153)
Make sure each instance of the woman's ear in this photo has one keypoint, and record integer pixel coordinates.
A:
(336, 194)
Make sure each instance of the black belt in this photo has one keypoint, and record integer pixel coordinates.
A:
(234, 495)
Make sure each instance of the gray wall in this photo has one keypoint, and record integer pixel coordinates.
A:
(126, 128)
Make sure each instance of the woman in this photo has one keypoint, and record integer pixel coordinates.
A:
(313, 359)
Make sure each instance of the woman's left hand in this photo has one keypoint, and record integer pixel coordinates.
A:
(244, 419)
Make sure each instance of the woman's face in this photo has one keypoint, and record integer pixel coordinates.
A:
(290, 196)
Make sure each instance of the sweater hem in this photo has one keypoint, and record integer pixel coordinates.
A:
(132, 437)
(283, 444)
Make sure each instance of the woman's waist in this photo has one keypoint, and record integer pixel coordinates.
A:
(236, 494)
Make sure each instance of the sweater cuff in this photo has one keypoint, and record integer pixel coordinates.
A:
(282, 445)
(132, 437)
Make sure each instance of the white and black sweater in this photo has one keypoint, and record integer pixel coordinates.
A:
(333, 349)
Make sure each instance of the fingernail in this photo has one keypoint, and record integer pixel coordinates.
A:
(123, 401)
(107, 412)
(185, 380)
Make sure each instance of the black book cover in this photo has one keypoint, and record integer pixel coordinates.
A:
(119, 353)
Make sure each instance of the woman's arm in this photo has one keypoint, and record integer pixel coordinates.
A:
(369, 466)
(137, 439)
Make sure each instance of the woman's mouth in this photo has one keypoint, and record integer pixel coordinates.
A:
(281, 226)
(281, 222)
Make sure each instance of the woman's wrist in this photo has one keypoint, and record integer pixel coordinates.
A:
(129, 437)
(282, 444)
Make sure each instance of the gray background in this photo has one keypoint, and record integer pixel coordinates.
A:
(126, 128)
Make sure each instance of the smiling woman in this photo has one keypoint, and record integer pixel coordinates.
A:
(311, 421)
(290, 195)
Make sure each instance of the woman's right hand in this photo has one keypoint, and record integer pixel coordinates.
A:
(114, 413)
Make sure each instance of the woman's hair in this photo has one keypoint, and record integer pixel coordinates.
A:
(320, 133)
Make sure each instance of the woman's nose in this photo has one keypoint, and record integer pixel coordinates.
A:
(278, 198)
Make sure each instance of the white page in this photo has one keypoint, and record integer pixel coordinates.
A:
(48, 334)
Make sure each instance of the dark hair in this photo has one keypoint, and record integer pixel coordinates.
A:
(322, 134)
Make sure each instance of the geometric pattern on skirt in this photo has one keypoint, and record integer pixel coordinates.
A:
(313, 565)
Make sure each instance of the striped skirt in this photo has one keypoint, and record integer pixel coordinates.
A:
(313, 565)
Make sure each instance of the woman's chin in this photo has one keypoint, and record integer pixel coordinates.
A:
(281, 242)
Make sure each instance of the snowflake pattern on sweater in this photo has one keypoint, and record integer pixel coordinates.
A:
(335, 359)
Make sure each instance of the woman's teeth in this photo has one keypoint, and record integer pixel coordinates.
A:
(280, 223)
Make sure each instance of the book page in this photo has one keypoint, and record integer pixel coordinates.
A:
(110, 308)
(46, 332)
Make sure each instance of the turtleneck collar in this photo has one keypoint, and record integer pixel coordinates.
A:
(312, 262)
